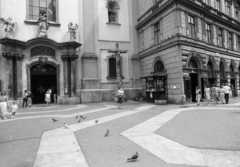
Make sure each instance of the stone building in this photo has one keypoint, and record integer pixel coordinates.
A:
(188, 43)
(64, 44)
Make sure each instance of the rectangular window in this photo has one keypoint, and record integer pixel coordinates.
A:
(238, 43)
(208, 31)
(112, 67)
(191, 26)
(230, 38)
(218, 5)
(37, 6)
(220, 37)
(236, 13)
(156, 33)
(227, 8)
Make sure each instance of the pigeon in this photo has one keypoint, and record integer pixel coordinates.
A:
(82, 117)
(96, 121)
(54, 120)
(106, 134)
(76, 117)
(133, 158)
(66, 126)
(79, 120)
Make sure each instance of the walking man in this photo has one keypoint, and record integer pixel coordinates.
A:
(227, 89)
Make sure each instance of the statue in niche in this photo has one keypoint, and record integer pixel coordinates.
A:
(72, 30)
(43, 25)
(112, 13)
(10, 26)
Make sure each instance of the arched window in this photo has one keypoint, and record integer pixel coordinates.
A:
(222, 71)
(158, 67)
(113, 8)
(232, 75)
(38, 6)
(42, 51)
(210, 69)
(192, 64)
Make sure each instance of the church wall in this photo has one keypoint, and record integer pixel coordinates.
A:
(111, 31)
(67, 12)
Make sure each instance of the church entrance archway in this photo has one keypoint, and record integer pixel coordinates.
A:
(42, 77)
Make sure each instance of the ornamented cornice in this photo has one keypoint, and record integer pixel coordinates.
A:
(72, 57)
(10, 56)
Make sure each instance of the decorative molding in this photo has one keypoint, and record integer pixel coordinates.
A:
(10, 56)
(72, 57)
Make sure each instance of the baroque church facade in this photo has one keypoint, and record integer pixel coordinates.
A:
(188, 43)
(66, 46)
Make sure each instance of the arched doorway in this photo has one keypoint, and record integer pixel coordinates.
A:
(192, 64)
(42, 77)
(222, 75)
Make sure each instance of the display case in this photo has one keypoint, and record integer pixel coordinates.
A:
(156, 88)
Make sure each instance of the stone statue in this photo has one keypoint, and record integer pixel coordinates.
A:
(43, 25)
(10, 26)
(112, 14)
(72, 30)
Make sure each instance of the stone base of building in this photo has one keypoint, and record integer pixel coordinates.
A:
(69, 100)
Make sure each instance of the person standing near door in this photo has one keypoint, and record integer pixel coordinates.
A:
(198, 95)
(48, 96)
(25, 98)
(227, 89)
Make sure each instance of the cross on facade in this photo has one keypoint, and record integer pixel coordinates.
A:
(117, 53)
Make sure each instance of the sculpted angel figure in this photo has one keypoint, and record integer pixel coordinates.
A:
(43, 25)
(10, 26)
(72, 30)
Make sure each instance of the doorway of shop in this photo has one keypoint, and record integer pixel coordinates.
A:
(43, 77)
(194, 83)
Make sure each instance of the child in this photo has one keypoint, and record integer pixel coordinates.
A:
(14, 107)
(120, 94)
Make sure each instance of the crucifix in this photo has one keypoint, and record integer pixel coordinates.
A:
(117, 56)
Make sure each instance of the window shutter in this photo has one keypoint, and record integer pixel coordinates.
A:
(212, 33)
(204, 30)
(196, 27)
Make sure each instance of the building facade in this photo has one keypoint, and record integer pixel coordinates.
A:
(188, 43)
(64, 45)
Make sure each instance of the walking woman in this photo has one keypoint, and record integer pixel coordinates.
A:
(214, 94)
(120, 94)
(207, 92)
(48, 96)
(198, 95)
(3, 104)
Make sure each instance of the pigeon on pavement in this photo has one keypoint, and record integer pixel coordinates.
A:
(106, 134)
(66, 126)
(82, 117)
(76, 117)
(79, 120)
(133, 158)
(96, 121)
(54, 120)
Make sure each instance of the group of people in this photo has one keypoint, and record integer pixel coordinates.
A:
(27, 98)
(4, 104)
(214, 94)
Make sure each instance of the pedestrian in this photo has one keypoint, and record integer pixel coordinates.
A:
(232, 89)
(3, 104)
(207, 92)
(227, 89)
(48, 96)
(29, 98)
(217, 94)
(14, 107)
(198, 95)
(25, 98)
(214, 94)
(221, 95)
(120, 94)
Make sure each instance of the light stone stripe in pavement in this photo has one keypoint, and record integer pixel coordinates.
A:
(61, 115)
(60, 148)
(175, 153)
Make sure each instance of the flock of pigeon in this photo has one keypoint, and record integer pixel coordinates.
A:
(79, 117)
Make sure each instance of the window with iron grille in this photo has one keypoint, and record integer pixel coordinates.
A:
(220, 37)
(218, 5)
(37, 6)
(230, 40)
(191, 26)
(227, 7)
(208, 31)
(156, 33)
